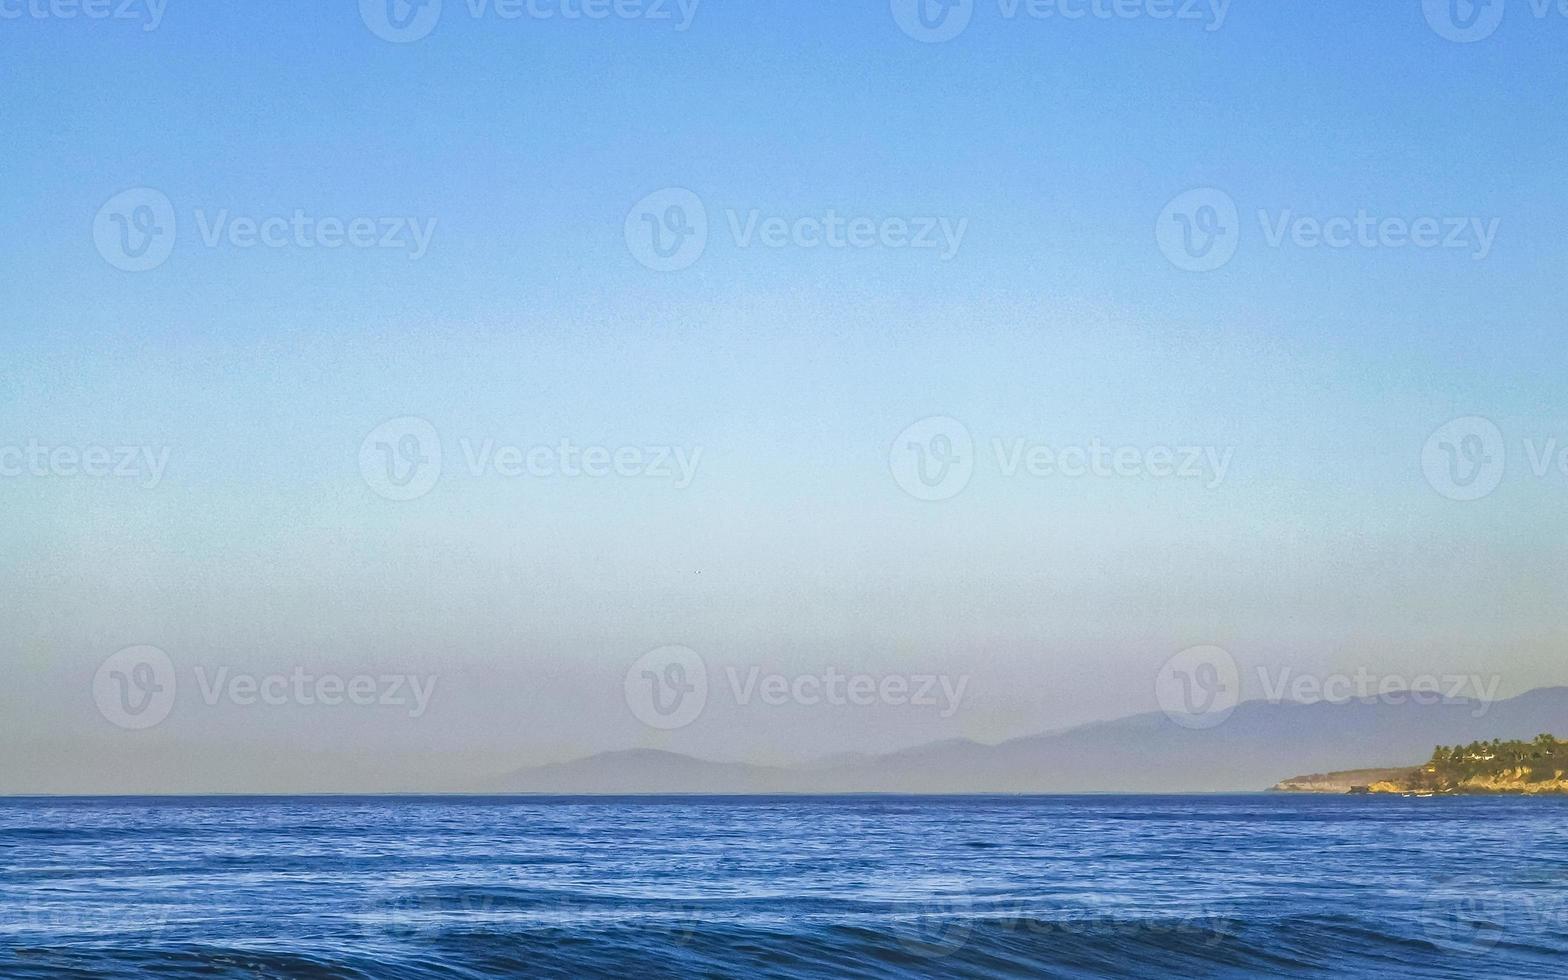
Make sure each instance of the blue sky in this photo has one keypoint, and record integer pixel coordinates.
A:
(529, 320)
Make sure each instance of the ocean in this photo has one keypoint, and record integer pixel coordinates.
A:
(1239, 886)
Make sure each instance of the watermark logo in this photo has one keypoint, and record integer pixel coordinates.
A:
(1199, 687)
(135, 688)
(667, 688)
(1464, 21)
(933, 21)
(400, 21)
(667, 231)
(1465, 459)
(933, 459)
(135, 230)
(1463, 921)
(401, 459)
(1469, 21)
(939, 926)
(1199, 230)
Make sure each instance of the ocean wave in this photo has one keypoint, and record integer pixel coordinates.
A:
(1064, 946)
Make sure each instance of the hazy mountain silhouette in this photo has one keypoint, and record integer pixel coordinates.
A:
(1258, 745)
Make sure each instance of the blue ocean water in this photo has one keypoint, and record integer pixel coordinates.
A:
(785, 887)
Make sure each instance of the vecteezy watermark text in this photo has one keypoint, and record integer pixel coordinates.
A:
(406, 21)
(934, 459)
(51, 918)
(1470, 234)
(1095, 459)
(329, 690)
(405, 913)
(668, 688)
(144, 464)
(402, 459)
(1286, 685)
(935, 21)
(668, 231)
(148, 12)
(943, 923)
(566, 458)
(302, 230)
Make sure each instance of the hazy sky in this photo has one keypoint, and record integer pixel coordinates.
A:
(1040, 155)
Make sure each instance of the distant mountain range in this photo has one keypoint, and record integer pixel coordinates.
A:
(1258, 745)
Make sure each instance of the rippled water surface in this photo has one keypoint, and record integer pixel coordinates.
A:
(868, 887)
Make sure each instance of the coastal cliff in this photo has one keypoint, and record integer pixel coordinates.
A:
(1535, 768)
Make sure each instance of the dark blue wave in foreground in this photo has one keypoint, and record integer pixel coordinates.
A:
(844, 887)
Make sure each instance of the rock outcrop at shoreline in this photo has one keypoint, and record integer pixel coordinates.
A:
(1343, 782)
